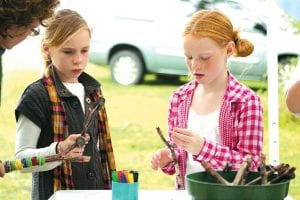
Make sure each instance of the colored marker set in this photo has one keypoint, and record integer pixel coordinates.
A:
(125, 185)
(125, 176)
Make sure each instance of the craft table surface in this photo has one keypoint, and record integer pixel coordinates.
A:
(106, 195)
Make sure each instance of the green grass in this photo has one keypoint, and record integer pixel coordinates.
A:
(133, 114)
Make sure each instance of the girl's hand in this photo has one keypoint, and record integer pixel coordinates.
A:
(187, 140)
(161, 158)
(69, 141)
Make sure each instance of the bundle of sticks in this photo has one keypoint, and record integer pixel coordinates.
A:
(267, 174)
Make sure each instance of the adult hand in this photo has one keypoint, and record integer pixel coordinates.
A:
(161, 158)
(187, 140)
(2, 169)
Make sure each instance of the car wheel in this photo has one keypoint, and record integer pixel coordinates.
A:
(126, 67)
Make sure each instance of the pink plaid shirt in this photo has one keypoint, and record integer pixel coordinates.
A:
(240, 126)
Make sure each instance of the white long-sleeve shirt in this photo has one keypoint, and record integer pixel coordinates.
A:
(27, 137)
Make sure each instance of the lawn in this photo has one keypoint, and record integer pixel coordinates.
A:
(134, 112)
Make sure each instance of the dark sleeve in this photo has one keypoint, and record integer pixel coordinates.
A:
(34, 104)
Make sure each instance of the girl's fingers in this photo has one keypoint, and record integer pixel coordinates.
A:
(177, 140)
(87, 138)
(181, 140)
(154, 164)
(76, 152)
(182, 131)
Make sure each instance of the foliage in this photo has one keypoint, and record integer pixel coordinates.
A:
(296, 25)
(285, 71)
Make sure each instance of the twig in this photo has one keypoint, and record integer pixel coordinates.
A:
(215, 174)
(58, 157)
(263, 170)
(244, 169)
(88, 119)
(254, 181)
(81, 141)
(175, 161)
(228, 167)
(269, 172)
(288, 173)
(241, 174)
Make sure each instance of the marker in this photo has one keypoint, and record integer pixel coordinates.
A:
(114, 176)
(123, 178)
(119, 173)
(126, 175)
(130, 178)
(135, 175)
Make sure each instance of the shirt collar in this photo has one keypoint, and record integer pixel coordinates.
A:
(233, 87)
(90, 84)
(234, 90)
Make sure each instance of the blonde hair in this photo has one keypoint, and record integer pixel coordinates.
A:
(216, 26)
(60, 27)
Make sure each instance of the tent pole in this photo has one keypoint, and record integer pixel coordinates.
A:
(273, 105)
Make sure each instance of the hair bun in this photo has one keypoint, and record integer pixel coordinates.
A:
(243, 47)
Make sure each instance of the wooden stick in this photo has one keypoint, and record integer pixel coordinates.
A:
(263, 170)
(215, 174)
(243, 169)
(88, 119)
(269, 172)
(175, 161)
(81, 140)
(285, 173)
(241, 174)
(288, 173)
(75, 159)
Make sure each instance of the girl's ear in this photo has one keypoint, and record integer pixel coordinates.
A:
(46, 53)
(230, 48)
(45, 49)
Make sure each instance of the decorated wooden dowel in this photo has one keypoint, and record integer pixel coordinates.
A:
(19, 164)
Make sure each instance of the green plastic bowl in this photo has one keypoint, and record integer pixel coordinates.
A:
(202, 186)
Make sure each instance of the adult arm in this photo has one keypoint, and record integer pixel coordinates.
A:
(292, 91)
(293, 98)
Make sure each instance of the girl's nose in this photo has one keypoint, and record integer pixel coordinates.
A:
(196, 64)
(77, 58)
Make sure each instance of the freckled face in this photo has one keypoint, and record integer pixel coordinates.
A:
(205, 59)
(71, 58)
